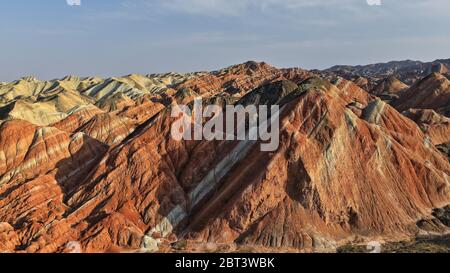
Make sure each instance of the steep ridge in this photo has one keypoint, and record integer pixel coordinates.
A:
(390, 85)
(46, 108)
(312, 191)
(28, 151)
(445, 149)
(296, 75)
(78, 117)
(39, 113)
(47, 102)
(116, 102)
(269, 94)
(157, 83)
(108, 128)
(25, 87)
(134, 189)
(440, 68)
(38, 167)
(436, 126)
(147, 107)
(111, 87)
(109, 176)
(309, 194)
(237, 79)
(432, 92)
(362, 82)
(143, 187)
(406, 71)
(64, 100)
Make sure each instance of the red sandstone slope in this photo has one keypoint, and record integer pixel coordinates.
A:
(348, 165)
(108, 128)
(296, 75)
(432, 92)
(339, 172)
(78, 118)
(235, 79)
(362, 82)
(390, 85)
(39, 166)
(321, 186)
(436, 126)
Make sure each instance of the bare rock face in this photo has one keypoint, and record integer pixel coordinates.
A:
(25, 87)
(39, 166)
(47, 102)
(269, 94)
(37, 113)
(77, 118)
(204, 84)
(8, 238)
(237, 79)
(321, 186)
(116, 102)
(296, 75)
(147, 107)
(108, 128)
(407, 71)
(390, 85)
(362, 82)
(108, 176)
(432, 92)
(436, 126)
(445, 149)
(439, 68)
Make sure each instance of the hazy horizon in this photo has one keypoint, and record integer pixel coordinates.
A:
(50, 39)
(208, 70)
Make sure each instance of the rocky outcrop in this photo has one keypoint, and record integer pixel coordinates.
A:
(432, 92)
(37, 113)
(445, 149)
(108, 176)
(296, 75)
(78, 117)
(8, 238)
(362, 82)
(390, 85)
(25, 87)
(435, 126)
(269, 94)
(47, 102)
(147, 107)
(315, 191)
(108, 128)
(39, 166)
(406, 71)
(237, 79)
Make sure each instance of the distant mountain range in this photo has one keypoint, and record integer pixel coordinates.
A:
(407, 71)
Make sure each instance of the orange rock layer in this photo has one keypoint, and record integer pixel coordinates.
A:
(110, 177)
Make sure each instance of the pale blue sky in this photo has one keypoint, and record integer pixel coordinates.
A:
(50, 39)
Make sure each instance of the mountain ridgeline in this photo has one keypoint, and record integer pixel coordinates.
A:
(363, 156)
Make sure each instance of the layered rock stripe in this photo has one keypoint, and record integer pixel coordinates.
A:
(92, 161)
